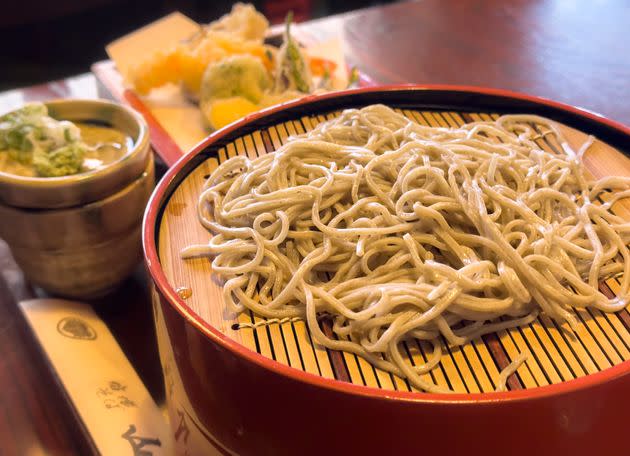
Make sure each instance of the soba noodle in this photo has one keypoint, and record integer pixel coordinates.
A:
(394, 231)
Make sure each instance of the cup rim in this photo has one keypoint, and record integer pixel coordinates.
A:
(50, 182)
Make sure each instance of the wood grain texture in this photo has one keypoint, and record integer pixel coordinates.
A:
(570, 51)
(34, 416)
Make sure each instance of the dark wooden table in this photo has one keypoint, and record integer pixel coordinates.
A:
(573, 52)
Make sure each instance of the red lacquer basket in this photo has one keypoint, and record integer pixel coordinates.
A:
(272, 391)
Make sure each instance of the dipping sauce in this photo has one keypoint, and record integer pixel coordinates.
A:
(35, 145)
(106, 145)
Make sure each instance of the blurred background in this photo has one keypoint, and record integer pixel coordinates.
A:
(43, 40)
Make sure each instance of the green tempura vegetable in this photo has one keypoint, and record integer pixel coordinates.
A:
(31, 137)
(292, 71)
(239, 75)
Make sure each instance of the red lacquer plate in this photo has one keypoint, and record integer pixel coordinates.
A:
(226, 398)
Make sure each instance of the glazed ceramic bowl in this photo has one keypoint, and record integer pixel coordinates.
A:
(79, 236)
(270, 391)
(83, 188)
(85, 251)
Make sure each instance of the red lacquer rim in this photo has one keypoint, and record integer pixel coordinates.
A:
(153, 264)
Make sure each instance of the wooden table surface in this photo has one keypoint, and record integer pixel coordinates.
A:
(570, 51)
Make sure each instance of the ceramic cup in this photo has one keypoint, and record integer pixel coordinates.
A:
(79, 236)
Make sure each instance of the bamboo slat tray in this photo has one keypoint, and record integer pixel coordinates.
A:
(558, 353)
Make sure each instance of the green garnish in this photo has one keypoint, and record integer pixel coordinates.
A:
(30, 137)
(63, 161)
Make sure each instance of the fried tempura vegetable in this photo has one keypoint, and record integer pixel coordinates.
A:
(214, 49)
(243, 21)
(233, 88)
(239, 75)
(222, 111)
(292, 71)
(240, 32)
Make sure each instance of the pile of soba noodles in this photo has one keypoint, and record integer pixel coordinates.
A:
(393, 231)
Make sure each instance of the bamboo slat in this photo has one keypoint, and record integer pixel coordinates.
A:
(558, 353)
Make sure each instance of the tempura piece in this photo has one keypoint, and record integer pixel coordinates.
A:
(292, 71)
(240, 32)
(243, 22)
(241, 78)
(239, 75)
(223, 111)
